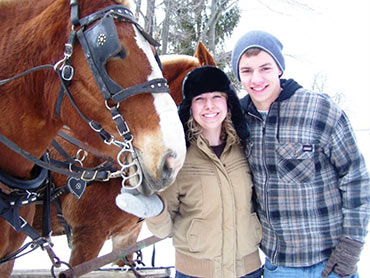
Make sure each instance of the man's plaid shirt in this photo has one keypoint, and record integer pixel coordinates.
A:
(311, 182)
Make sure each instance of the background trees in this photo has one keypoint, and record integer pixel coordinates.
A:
(180, 24)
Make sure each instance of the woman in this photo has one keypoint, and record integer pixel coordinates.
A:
(208, 210)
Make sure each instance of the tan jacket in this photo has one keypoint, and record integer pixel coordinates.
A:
(210, 216)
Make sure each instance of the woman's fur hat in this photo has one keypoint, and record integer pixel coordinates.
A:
(208, 79)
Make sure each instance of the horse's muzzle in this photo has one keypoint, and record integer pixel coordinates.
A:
(168, 168)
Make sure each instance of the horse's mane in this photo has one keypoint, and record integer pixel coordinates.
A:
(176, 58)
(25, 9)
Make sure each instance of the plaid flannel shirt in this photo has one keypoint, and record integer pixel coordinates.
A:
(311, 181)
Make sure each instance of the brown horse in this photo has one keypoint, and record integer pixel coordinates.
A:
(95, 218)
(104, 53)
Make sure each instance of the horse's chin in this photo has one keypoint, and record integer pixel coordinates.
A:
(149, 186)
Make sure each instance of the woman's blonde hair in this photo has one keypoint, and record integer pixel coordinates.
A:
(227, 129)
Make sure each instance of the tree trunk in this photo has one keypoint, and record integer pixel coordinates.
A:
(138, 9)
(149, 17)
(166, 25)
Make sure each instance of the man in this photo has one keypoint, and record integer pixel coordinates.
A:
(311, 182)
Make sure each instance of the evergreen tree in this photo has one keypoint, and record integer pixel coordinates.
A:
(182, 23)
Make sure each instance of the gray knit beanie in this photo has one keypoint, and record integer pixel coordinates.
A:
(257, 39)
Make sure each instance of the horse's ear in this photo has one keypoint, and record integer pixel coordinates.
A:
(203, 55)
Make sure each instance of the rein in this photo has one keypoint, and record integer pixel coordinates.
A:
(48, 66)
(86, 175)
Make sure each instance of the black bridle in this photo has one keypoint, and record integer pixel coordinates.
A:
(99, 43)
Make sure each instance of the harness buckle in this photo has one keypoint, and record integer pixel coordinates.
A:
(70, 165)
(60, 64)
(81, 155)
(110, 141)
(113, 141)
(68, 50)
(88, 179)
(108, 176)
(95, 126)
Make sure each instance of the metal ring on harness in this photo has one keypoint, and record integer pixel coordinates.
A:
(52, 270)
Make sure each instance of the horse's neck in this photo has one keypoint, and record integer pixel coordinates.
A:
(29, 129)
(20, 11)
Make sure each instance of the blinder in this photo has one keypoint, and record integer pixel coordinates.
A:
(100, 42)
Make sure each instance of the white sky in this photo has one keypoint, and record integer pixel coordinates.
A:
(332, 39)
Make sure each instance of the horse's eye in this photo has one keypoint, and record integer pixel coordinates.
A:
(121, 54)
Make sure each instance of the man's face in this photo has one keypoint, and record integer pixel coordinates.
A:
(259, 75)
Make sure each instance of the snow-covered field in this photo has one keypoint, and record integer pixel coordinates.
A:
(164, 255)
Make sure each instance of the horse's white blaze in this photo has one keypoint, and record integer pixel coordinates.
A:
(145, 46)
(172, 130)
(171, 127)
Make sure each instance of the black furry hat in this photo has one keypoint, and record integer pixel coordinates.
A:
(208, 79)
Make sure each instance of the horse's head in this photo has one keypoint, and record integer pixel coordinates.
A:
(175, 68)
(118, 83)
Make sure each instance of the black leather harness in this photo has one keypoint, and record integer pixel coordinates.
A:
(99, 43)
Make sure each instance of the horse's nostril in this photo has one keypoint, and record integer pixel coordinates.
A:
(171, 161)
(169, 165)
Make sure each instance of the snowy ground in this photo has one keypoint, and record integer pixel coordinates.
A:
(164, 255)
(39, 259)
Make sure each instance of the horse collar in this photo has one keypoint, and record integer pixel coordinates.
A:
(32, 184)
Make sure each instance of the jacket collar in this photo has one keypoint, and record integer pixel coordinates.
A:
(203, 144)
(289, 87)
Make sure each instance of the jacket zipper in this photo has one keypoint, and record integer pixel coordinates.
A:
(265, 191)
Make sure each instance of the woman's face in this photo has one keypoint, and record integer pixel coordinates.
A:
(209, 110)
